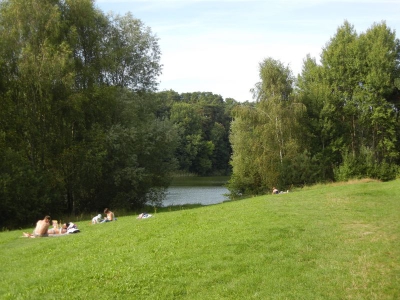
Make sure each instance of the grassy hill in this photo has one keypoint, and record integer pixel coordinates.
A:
(339, 241)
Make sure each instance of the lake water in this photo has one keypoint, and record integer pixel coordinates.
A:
(205, 195)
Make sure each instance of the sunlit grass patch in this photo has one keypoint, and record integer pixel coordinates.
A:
(331, 242)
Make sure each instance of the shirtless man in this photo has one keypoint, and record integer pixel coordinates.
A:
(109, 217)
(41, 230)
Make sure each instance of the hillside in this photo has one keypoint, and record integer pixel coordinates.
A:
(323, 242)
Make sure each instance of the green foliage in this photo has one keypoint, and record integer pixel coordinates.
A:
(276, 81)
(74, 86)
(202, 121)
(339, 121)
(360, 71)
(300, 170)
(365, 165)
(132, 57)
(26, 193)
(266, 135)
(140, 154)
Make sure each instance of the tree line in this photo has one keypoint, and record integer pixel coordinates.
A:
(339, 119)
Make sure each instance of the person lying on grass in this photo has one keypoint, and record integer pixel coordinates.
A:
(276, 191)
(66, 228)
(70, 228)
(56, 229)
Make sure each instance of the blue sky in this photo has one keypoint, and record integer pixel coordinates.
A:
(217, 46)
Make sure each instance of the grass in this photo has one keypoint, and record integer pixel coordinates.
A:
(324, 242)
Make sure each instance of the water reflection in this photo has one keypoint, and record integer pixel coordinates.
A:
(205, 195)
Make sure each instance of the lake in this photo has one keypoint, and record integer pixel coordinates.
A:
(197, 190)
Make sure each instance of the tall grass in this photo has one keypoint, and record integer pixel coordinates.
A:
(326, 242)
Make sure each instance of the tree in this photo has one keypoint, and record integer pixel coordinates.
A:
(37, 73)
(203, 122)
(132, 54)
(187, 119)
(351, 104)
(315, 93)
(360, 70)
(266, 136)
(381, 53)
(67, 77)
(140, 153)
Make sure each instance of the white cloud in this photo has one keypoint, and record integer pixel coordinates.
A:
(216, 46)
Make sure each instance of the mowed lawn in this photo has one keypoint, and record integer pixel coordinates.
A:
(339, 241)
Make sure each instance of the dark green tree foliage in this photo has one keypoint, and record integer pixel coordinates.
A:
(203, 123)
(320, 131)
(140, 153)
(360, 71)
(79, 126)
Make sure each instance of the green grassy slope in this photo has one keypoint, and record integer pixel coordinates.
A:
(325, 242)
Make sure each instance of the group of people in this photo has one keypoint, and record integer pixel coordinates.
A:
(109, 217)
(42, 228)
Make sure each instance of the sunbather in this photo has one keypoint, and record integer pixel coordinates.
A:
(58, 230)
(70, 228)
(109, 216)
(66, 228)
(41, 229)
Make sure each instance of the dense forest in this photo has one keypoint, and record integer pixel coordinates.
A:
(83, 126)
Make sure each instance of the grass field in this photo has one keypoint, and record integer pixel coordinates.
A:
(338, 241)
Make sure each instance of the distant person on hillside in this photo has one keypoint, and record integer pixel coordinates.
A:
(276, 191)
(144, 216)
(109, 216)
(41, 230)
(56, 229)
(97, 219)
(70, 228)
(65, 228)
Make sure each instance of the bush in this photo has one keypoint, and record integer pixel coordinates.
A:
(364, 165)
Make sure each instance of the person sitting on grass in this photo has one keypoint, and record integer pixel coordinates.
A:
(97, 219)
(109, 216)
(41, 230)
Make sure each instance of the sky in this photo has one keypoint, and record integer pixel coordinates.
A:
(217, 46)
